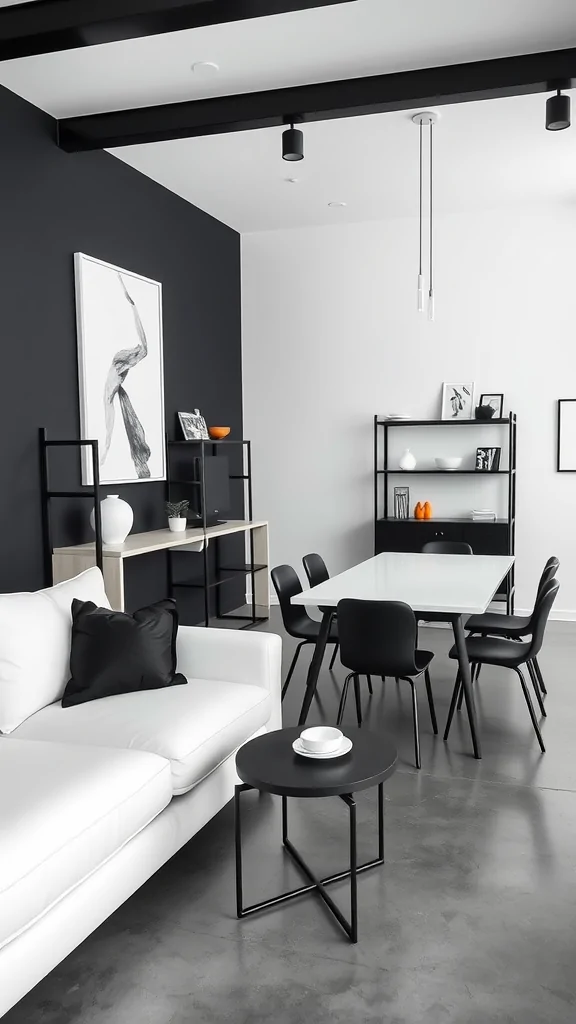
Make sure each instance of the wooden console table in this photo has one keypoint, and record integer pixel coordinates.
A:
(69, 561)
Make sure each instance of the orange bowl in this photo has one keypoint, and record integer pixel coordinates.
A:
(217, 433)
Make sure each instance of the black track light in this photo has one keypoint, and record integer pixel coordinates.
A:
(292, 144)
(557, 112)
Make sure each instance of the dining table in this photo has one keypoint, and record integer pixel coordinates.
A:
(439, 588)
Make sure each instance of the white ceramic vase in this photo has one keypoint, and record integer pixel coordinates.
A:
(407, 460)
(117, 519)
(177, 524)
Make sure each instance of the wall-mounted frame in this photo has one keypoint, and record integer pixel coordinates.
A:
(566, 436)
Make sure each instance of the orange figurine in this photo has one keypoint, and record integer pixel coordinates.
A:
(419, 511)
(427, 510)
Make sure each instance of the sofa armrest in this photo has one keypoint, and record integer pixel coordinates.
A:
(235, 655)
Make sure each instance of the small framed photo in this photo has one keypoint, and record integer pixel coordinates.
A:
(401, 502)
(457, 401)
(495, 402)
(488, 460)
(566, 451)
(193, 426)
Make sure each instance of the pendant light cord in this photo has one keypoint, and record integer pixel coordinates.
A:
(430, 211)
(421, 168)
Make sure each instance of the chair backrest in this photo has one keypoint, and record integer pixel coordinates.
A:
(287, 585)
(315, 569)
(548, 573)
(377, 637)
(542, 610)
(447, 547)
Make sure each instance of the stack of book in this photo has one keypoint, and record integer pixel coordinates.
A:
(483, 515)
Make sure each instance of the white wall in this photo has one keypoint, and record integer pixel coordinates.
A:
(331, 335)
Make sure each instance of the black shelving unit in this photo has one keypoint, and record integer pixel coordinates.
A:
(495, 537)
(47, 494)
(214, 578)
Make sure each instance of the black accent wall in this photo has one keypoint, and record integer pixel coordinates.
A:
(54, 204)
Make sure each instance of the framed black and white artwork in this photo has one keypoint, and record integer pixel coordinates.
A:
(496, 402)
(566, 443)
(121, 371)
(488, 460)
(457, 401)
(193, 426)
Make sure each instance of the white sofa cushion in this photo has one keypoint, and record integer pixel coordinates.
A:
(35, 634)
(64, 811)
(195, 727)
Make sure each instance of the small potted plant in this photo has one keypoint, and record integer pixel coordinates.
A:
(176, 512)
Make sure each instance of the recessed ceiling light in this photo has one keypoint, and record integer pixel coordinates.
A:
(337, 204)
(205, 67)
(292, 181)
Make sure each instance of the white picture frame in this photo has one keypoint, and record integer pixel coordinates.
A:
(120, 371)
(457, 401)
(193, 426)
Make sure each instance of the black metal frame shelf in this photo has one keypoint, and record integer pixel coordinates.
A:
(382, 472)
(213, 581)
(46, 496)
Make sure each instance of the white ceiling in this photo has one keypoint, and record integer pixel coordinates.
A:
(487, 153)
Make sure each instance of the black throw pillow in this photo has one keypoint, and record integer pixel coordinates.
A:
(113, 652)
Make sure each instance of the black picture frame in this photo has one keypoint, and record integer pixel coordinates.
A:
(489, 399)
(488, 459)
(570, 404)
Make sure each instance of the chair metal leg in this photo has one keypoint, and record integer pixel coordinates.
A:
(334, 655)
(538, 671)
(474, 677)
(292, 667)
(415, 720)
(532, 674)
(455, 693)
(369, 681)
(430, 696)
(531, 710)
(358, 699)
(342, 704)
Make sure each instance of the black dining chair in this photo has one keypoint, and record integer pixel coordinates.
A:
(504, 653)
(515, 627)
(379, 638)
(447, 547)
(317, 573)
(296, 620)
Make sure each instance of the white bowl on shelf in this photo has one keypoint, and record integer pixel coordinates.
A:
(448, 463)
(321, 739)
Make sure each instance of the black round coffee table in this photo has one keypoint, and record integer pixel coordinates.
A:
(268, 763)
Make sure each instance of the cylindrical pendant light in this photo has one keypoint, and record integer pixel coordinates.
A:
(557, 112)
(292, 144)
(427, 118)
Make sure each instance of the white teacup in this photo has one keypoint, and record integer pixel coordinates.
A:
(321, 739)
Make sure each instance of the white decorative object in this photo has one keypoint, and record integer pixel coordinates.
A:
(407, 460)
(446, 462)
(177, 524)
(321, 739)
(457, 401)
(344, 748)
(120, 366)
(117, 519)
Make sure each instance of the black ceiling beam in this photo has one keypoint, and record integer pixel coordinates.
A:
(456, 83)
(47, 26)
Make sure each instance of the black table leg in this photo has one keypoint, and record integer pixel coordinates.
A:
(314, 670)
(464, 666)
(317, 885)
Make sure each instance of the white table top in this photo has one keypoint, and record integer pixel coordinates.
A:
(451, 584)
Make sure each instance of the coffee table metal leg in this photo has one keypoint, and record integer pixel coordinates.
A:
(315, 884)
(314, 670)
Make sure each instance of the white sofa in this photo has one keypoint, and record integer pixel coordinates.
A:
(95, 798)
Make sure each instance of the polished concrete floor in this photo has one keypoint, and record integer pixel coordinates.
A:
(471, 920)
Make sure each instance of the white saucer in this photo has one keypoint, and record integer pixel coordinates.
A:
(344, 748)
